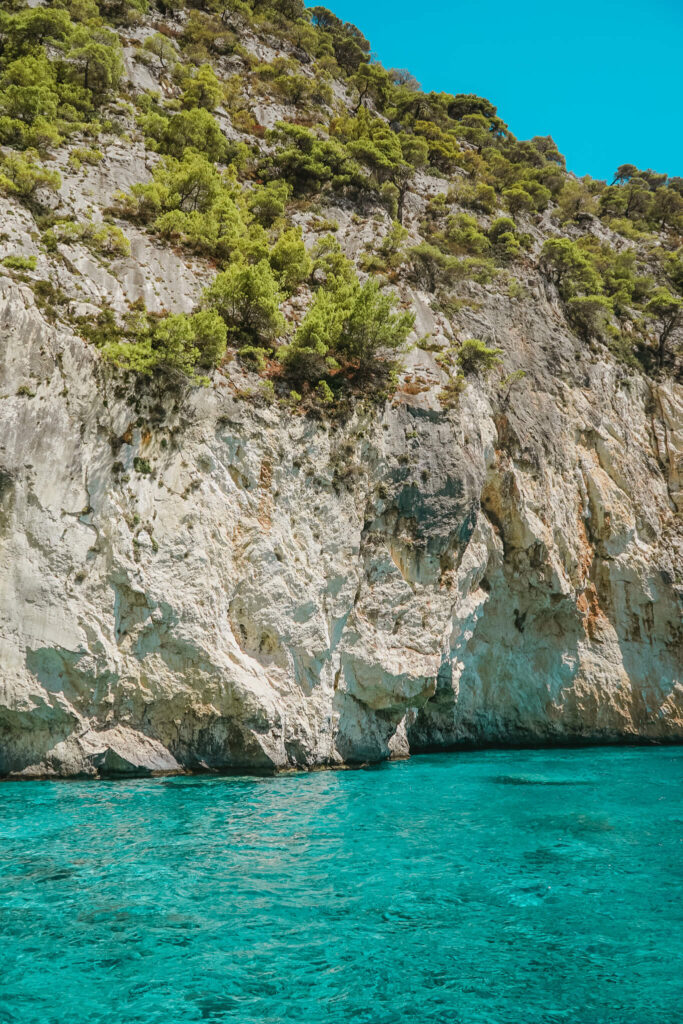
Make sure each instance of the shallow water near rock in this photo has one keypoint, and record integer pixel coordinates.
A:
(501, 886)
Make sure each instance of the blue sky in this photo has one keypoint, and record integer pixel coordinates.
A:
(604, 78)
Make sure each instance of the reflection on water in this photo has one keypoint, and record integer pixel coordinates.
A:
(519, 886)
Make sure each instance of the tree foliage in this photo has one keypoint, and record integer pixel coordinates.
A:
(180, 342)
(474, 356)
(22, 175)
(308, 163)
(234, 203)
(667, 310)
(247, 297)
(55, 72)
(289, 260)
(347, 322)
(570, 268)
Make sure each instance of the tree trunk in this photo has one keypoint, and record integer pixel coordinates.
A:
(361, 97)
(400, 205)
(664, 337)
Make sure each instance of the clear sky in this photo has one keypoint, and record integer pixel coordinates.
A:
(604, 78)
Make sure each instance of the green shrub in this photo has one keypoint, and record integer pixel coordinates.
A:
(210, 337)
(267, 202)
(449, 394)
(84, 155)
(478, 197)
(516, 290)
(672, 265)
(308, 163)
(431, 267)
(282, 79)
(476, 357)
(390, 196)
(191, 185)
(444, 150)
(203, 90)
(506, 241)
(290, 261)
(56, 69)
(48, 298)
(23, 176)
(179, 342)
(28, 89)
(20, 262)
(324, 392)
(518, 199)
(101, 238)
(159, 46)
(254, 357)
(169, 344)
(188, 129)
(391, 246)
(465, 237)
(318, 334)
(330, 262)
(501, 226)
(590, 314)
(205, 33)
(540, 194)
(667, 310)
(576, 199)
(190, 201)
(247, 297)
(625, 227)
(389, 253)
(371, 326)
(570, 268)
(346, 322)
(475, 268)
(507, 247)
(42, 136)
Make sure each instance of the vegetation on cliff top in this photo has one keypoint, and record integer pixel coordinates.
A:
(235, 194)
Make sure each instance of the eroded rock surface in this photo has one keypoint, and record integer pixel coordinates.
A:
(193, 580)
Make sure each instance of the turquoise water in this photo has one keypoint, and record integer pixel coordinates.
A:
(472, 888)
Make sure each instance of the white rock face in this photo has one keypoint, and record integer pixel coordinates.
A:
(193, 580)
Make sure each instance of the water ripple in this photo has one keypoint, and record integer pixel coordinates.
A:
(483, 888)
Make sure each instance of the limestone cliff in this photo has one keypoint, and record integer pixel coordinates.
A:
(198, 577)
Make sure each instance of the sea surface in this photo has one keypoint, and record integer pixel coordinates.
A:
(518, 886)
